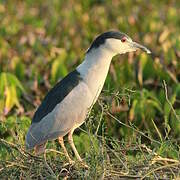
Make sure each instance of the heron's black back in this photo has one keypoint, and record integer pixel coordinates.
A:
(56, 95)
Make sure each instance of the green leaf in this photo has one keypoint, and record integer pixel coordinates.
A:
(155, 104)
(132, 110)
(10, 122)
(9, 86)
(12, 80)
(3, 83)
(167, 107)
(58, 68)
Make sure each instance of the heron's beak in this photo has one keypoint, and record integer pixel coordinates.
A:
(139, 46)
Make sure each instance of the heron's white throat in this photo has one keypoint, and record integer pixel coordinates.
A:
(94, 69)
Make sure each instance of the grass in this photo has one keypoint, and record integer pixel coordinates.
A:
(110, 159)
(107, 157)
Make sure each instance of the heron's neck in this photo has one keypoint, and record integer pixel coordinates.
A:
(94, 69)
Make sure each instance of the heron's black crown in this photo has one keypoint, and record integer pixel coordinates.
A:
(102, 38)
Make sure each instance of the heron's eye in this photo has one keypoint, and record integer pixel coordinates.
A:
(123, 39)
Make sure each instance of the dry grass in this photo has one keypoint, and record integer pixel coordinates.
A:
(112, 160)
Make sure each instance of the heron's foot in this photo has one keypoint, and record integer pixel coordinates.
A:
(71, 142)
(84, 165)
(70, 163)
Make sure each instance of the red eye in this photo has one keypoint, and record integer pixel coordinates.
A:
(123, 39)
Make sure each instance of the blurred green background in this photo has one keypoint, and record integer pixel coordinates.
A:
(42, 40)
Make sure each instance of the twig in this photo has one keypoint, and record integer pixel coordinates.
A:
(167, 99)
(157, 130)
(161, 167)
(132, 128)
(140, 147)
(122, 175)
(22, 151)
(115, 154)
(13, 146)
(49, 168)
(102, 112)
(13, 164)
(158, 157)
(53, 150)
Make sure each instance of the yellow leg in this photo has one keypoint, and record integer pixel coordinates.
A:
(71, 142)
(61, 141)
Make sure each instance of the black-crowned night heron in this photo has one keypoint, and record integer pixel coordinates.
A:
(66, 106)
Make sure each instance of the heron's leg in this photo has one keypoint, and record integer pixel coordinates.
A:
(61, 142)
(71, 142)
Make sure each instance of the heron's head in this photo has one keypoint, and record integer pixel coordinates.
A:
(116, 42)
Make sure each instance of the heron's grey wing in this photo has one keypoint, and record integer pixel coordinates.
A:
(53, 97)
(68, 111)
(68, 114)
(57, 94)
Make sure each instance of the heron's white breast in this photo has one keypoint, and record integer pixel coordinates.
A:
(94, 70)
